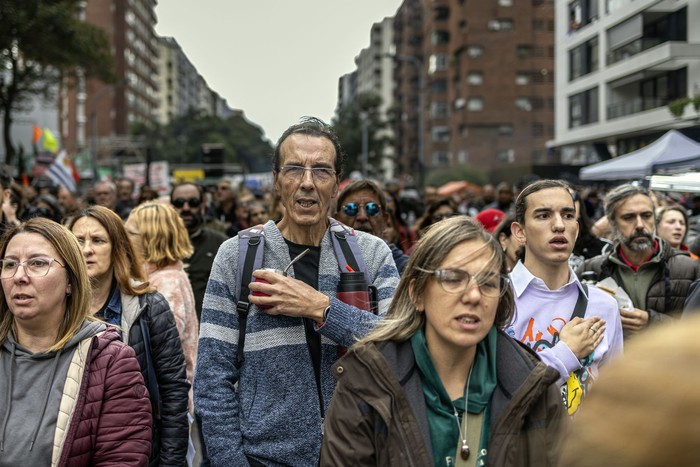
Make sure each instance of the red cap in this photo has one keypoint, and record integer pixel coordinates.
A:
(490, 218)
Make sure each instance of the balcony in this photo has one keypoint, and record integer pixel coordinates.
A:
(631, 49)
(633, 106)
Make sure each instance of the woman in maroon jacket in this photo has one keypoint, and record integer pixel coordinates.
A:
(71, 392)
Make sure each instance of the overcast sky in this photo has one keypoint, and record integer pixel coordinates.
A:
(277, 60)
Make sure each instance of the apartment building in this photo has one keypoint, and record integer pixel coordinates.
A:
(408, 83)
(488, 74)
(98, 116)
(619, 63)
(178, 81)
(375, 75)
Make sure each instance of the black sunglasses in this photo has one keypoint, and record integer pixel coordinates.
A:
(193, 202)
(352, 209)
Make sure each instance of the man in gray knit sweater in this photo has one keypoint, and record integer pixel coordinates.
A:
(270, 410)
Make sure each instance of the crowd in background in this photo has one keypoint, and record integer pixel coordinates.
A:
(174, 238)
(231, 207)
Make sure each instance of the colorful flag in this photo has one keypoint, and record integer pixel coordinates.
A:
(37, 134)
(22, 168)
(50, 142)
(62, 171)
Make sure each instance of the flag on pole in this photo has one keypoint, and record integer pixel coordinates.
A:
(63, 172)
(50, 142)
(37, 134)
(22, 168)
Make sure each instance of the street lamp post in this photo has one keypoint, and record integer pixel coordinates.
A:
(93, 119)
(418, 63)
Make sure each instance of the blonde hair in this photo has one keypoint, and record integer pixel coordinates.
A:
(644, 408)
(403, 319)
(127, 265)
(71, 255)
(163, 233)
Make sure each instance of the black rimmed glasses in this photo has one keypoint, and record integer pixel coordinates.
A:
(33, 267)
(296, 172)
(193, 202)
(353, 209)
(456, 281)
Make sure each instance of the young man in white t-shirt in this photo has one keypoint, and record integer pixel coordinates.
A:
(547, 293)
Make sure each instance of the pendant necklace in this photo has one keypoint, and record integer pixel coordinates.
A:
(464, 450)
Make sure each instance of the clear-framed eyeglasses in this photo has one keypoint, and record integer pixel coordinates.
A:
(33, 267)
(296, 172)
(457, 281)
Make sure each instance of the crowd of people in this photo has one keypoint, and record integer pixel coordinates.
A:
(304, 324)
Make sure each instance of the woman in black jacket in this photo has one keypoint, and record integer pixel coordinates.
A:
(122, 297)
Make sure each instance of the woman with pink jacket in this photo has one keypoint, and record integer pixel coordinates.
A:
(160, 236)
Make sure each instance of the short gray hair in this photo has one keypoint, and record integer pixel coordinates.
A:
(619, 195)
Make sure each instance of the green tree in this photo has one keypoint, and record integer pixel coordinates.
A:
(181, 140)
(347, 123)
(41, 43)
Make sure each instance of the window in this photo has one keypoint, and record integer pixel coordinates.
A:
(459, 103)
(438, 86)
(523, 103)
(505, 2)
(437, 62)
(583, 59)
(438, 110)
(501, 25)
(462, 156)
(441, 13)
(441, 158)
(522, 78)
(475, 78)
(506, 155)
(583, 108)
(475, 104)
(440, 134)
(505, 129)
(581, 13)
(537, 130)
(538, 25)
(440, 37)
(523, 51)
(475, 51)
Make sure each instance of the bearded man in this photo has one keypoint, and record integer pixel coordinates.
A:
(188, 200)
(655, 276)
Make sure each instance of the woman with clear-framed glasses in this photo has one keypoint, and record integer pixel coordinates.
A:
(438, 382)
(72, 392)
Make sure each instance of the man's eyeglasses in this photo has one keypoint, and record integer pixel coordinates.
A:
(34, 267)
(193, 202)
(441, 216)
(456, 281)
(296, 172)
(353, 209)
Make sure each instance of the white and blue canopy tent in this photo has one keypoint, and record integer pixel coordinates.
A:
(672, 153)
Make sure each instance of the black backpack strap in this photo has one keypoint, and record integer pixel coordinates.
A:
(347, 251)
(581, 303)
(152, 381)
(251, 243)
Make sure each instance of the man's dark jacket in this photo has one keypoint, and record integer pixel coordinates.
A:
(198, 266)
(669, 287)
